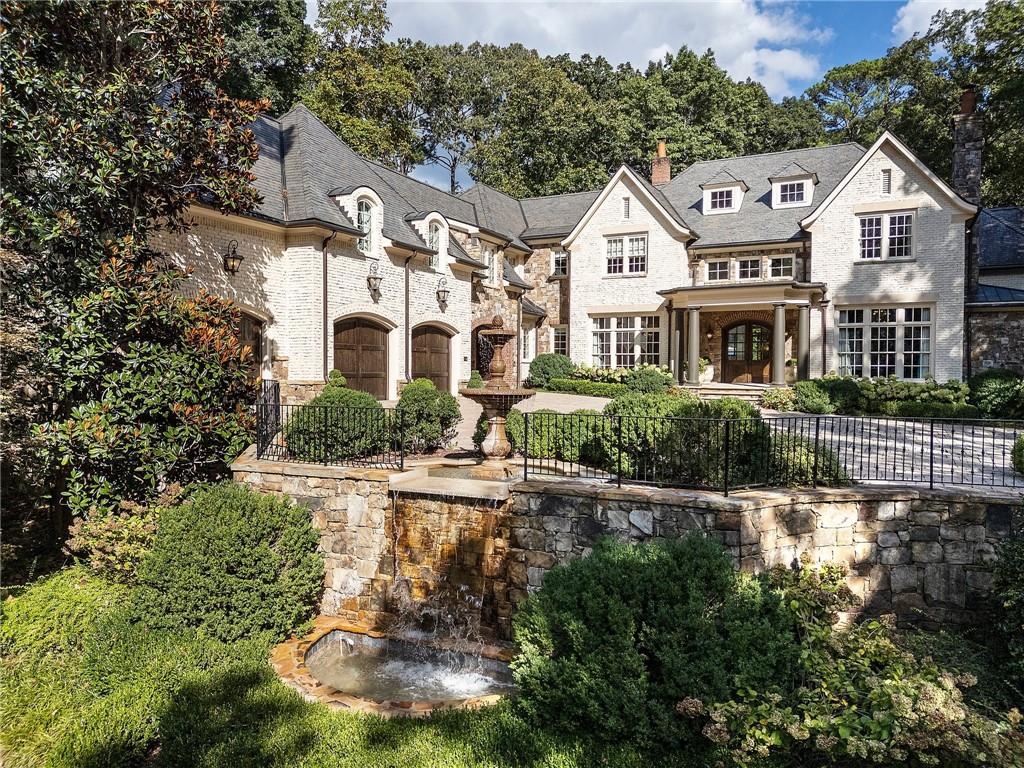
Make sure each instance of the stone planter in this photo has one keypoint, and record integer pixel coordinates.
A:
(707, 376)
(791, 374)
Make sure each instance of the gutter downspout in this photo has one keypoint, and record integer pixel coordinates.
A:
(408, 323)
(323, 282)
(519, 341)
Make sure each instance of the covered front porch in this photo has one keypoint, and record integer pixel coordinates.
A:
(756, 334)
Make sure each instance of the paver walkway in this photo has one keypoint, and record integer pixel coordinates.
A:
(556, 401)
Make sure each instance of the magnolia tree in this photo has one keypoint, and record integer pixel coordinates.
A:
(112, 128)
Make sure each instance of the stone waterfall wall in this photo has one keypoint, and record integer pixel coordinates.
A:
(925, 556)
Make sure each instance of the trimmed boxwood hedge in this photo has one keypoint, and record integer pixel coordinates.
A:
(585, 387)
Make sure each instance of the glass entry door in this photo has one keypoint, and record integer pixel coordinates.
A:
(746, 353)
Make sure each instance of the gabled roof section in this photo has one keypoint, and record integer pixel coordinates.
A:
(655, 199)
(534, 310)
(723, 176)
(456, 249)
(554, 216)
(889, 139)
(756, 221)
(792, 170)
(1000, 235)
(498, 212)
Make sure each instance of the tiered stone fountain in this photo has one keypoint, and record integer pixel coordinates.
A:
(496, 399)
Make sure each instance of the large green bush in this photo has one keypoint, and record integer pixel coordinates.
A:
(338, 424)
(809, 398)
(779, 399)
(915, 409)
(998, 394)
(1017, 454)
(544, 368)
(1008, 596)
(428, 416)
(614, 640)
(587, 387)
(648, 379)
(888, 396)
(233, 562)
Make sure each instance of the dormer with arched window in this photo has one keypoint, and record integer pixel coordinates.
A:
(437, 241)
(365, 223)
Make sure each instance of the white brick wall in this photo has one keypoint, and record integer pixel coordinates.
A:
(280, 280)
(592, 291)
(935, 274)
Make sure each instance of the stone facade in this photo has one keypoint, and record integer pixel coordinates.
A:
(551, 293)
(996, 339)
(925, 556)
(717, 322)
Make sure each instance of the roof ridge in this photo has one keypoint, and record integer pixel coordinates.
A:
(429, 186)
(564, 194)
(776, 152)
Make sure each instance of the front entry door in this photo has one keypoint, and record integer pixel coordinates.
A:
(746, 353)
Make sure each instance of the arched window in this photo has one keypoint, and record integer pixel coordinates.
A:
(364, 221)
(434, 241)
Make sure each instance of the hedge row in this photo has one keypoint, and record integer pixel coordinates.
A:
(883, 397)
(584, 387)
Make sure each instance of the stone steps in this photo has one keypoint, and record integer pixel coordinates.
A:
(751, 393)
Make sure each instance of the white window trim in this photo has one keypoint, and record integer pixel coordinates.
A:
(554, 330)
(491, 260)
(885, 179)
(638, 334)
(625, 238)
(792, 263)
(900, 325)
(737, 199)
(369, 239)
(884, 215)
(560, 275)
(529, 343)
(760, 270)
(625, 207)
(777, 193)
(728, 270)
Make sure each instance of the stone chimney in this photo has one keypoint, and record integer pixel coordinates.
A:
(968, 142)
(661, 166)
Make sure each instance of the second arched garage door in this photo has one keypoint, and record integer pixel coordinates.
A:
(361, 354)
(431, 355)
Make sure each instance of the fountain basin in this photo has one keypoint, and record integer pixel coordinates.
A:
(349, 667)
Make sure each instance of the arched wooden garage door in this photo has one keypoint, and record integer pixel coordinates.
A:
(431, 355)
(361, 354)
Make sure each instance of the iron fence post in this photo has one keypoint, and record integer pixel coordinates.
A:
(526, 443)
(725, 473)
(817, 433)
(618, 469)
(931, 453)
(401, 439)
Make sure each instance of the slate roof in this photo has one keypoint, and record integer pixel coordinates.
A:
(757, 221)
(529, 308)
(513, 279)
(996, 294)
(555, 215)
(791, 169)
(497, 212)
(721, 176)
(1000, 234)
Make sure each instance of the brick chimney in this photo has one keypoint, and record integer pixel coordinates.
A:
(968, 142)
(661, 166)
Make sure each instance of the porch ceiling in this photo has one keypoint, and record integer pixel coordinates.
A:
(742, 295)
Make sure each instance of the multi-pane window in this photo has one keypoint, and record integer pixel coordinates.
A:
(364, 221)
(917, 342)
(434, 241)
(885, 341)
(901, 231)
(637, 263)
(749, 269)
(791, 192)
(782, 266)
(718, 270)
(721, 199)
(650, 340)
(560, 341)
(625, 341)
(614, 256)
(602, 349)
(529, 342)
(625, 207)
(898, 241)
(871, 237)
(491, 260)
(559, 264)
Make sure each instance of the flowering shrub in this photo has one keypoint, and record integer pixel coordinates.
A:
(617, 375)
(779, 399)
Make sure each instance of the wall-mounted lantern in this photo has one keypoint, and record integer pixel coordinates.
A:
(442, 293)
(232, 259)
(710, 335)
(373, 280)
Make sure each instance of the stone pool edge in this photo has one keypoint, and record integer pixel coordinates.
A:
(288, 660)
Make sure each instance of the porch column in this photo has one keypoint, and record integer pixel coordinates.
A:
(803, 355)
(693, 347)
(779, 347)
(678, 339)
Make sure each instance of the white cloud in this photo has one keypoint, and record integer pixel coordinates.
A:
(769, 41)
(916, 15)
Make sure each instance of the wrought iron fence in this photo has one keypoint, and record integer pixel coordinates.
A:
(730, 454)
(328, 434)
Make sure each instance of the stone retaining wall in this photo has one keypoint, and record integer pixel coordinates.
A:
(925, 556)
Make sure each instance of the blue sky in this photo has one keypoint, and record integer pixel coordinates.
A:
(785, 45)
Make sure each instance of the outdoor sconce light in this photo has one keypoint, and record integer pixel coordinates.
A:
(232, 259)
(442, 293)
(373, 280)
(710, 334)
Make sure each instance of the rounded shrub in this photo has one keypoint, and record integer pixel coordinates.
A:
(809, 398)
(998, 393)
(779, 399)
(843, 393)
(791, 462)
(428, 416)
(587, 387)
(476, 381)
(648, 378)
(336, 379)
(234, 563)
(514, 430)
(613, 641)
(549, 366)
(337, 424)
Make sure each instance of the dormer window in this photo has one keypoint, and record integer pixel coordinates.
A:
(791, 192)
(364, 222)
(792, 186)
(434, 241)
(721, 199)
